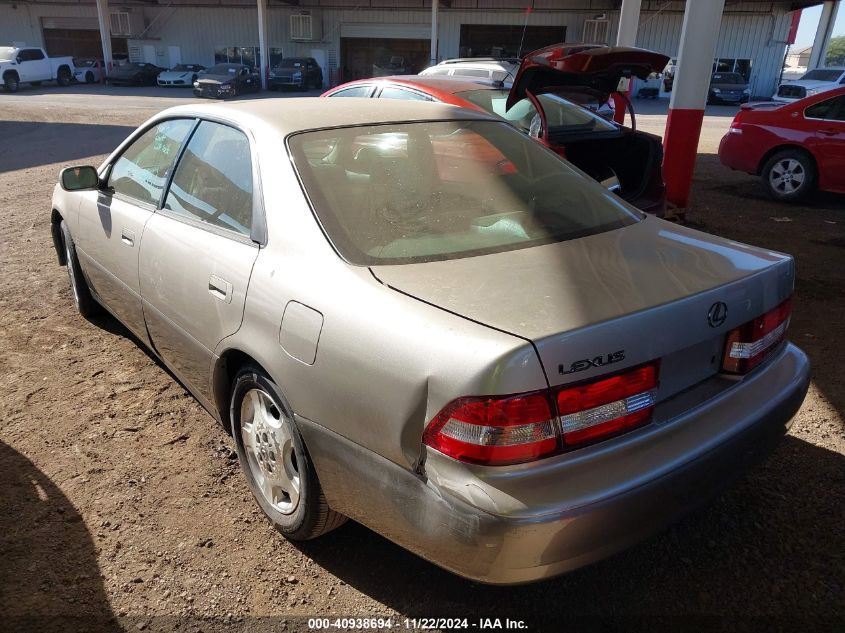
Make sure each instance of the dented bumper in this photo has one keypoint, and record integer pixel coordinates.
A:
(524, 523)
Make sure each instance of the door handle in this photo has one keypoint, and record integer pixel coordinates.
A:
(829, 132)
(127, 236)
(220, 289)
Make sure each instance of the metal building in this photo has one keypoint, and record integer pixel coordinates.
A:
(349, 37)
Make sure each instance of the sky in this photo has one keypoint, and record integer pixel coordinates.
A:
(810, 22)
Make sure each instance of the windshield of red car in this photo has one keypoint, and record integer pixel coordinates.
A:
(562, 115)
(427, 191)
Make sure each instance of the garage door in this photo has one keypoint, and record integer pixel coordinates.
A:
(363, 57)
(497, 40)
(79, 39)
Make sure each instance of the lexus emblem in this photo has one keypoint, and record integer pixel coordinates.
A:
(718, 314)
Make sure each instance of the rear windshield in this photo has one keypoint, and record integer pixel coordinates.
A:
(823, 74)
(563, 116)
(417, 192)
(727, 78)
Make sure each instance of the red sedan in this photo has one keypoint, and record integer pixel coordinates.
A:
(795, 148)
(540, 103)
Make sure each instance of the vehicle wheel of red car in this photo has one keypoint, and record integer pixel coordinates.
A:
(789, 175)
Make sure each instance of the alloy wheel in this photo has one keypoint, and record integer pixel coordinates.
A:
(787, 176)
(267, 439)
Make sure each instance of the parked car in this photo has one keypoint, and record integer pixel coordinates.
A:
(180, 75)
(32, 66)
(491, 68)
(728, 88)
(134, 74)
(227, 80)
(298, 72)
(413, 315)
(795, 148)
(626, 160)
(89, 70)
(814, 82)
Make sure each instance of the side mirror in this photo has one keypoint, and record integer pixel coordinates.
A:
(81, 178)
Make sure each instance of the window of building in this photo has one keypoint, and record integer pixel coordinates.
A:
(120, 23)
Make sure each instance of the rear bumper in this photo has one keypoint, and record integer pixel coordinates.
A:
(738, 153)
(562, 520)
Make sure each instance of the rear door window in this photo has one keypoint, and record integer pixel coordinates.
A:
(355, 91)
(824, 109)
(31, 55)
(393, 92)
(213, 181)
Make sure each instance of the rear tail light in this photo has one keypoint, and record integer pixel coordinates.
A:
(496, 431)
(606, 407)
(750, 344)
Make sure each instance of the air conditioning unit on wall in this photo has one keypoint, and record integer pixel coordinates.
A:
(596, 31)
(306, 26)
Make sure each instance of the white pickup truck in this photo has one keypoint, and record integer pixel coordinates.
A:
(32, 66)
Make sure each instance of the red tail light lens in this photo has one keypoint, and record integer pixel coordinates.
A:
(495, 430)
(750, 344)
(609, 406)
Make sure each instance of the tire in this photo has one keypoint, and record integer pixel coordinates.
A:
(274, 460)
(12, 82)
(788, 175)
(63, 77)
(89, 77)
(85, 304)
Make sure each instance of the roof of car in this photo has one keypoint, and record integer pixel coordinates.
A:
(286, 116)
(443, 83)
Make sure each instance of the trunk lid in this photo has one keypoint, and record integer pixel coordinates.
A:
(599, 304)
(599, 68)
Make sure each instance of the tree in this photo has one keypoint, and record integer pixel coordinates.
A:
(836, 52)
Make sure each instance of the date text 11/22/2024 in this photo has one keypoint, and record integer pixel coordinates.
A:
(415, 624)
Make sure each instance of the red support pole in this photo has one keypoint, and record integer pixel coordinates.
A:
(689, 96)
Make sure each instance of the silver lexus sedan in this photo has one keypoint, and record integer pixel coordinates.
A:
(414, 316)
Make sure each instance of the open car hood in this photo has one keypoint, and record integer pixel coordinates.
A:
(586, 66)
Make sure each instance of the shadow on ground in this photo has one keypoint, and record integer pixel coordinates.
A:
(50, 579)
(44, 143)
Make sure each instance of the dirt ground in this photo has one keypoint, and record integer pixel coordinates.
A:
(122, 506)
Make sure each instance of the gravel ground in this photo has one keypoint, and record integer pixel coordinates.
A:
(124, 509)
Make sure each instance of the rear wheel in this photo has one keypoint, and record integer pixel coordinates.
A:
(272, 455)
(789, 175)
(63, 78)
(85, 304)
